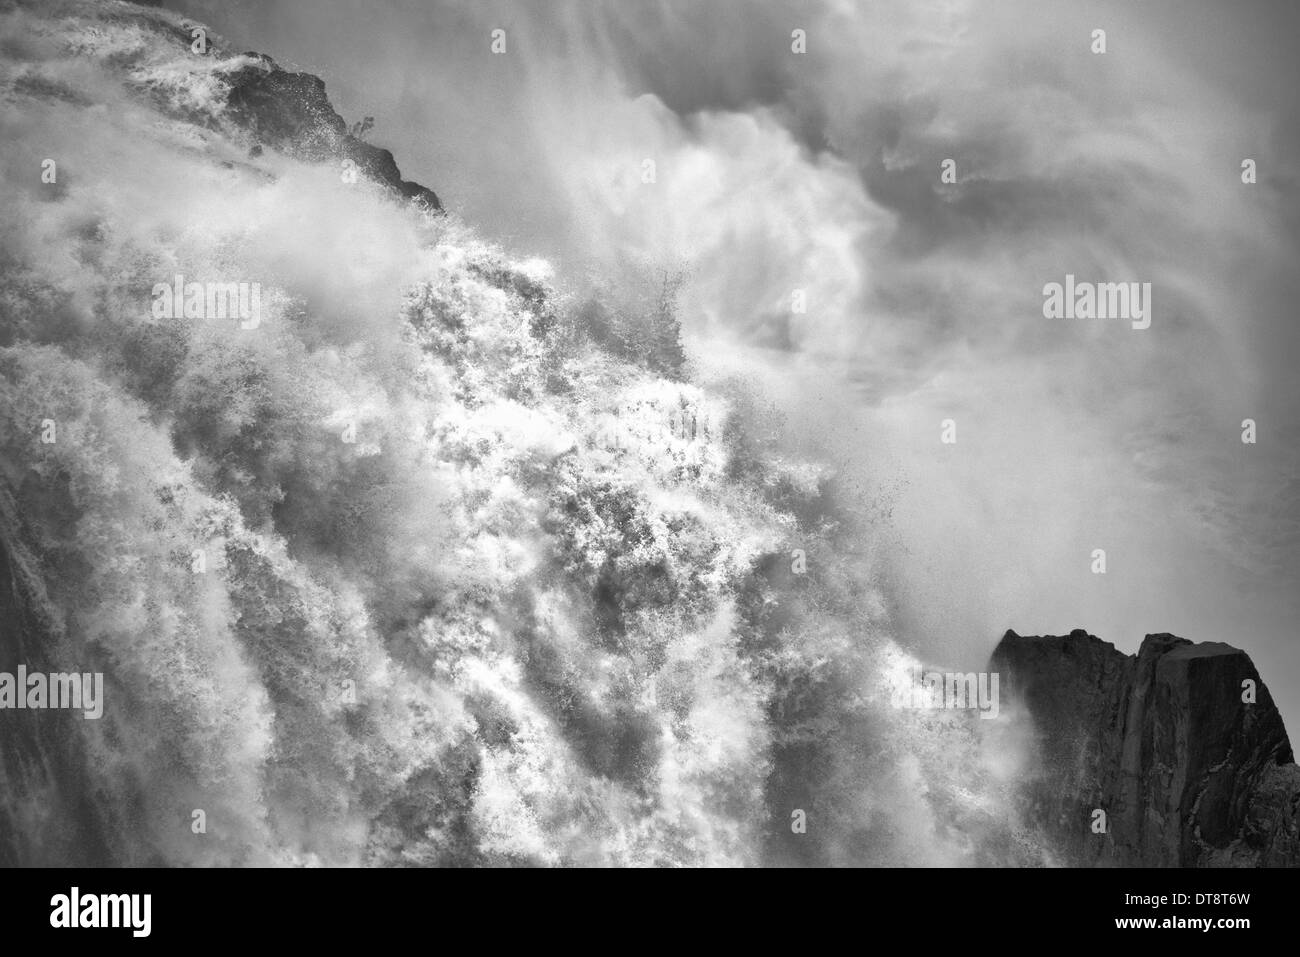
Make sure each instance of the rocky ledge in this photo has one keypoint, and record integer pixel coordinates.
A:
(277, 108)
(1180, 746)
(291, 113)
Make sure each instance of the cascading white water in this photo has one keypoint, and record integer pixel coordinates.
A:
(410, 571)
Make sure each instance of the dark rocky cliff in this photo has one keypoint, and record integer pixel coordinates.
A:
(46, 814)
(290, 112)
(283, 110)
(1188, 772)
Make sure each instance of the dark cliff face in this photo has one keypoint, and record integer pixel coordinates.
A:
(1187, 769)
(290, 112)
(46, 815)
(282, 110)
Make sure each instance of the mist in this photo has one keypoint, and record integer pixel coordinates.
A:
(821, 172)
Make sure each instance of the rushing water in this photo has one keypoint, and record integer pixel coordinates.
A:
(414, 568)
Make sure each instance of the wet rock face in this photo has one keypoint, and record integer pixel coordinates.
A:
(1189, 770)
(47, 817)
(290, 112)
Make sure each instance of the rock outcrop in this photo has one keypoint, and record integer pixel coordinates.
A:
(277, 108)
(1189, 770)
(290, 112)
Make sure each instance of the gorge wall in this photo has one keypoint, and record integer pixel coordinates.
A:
(1188, 770)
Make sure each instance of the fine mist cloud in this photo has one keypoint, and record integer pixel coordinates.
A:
(821, 172)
